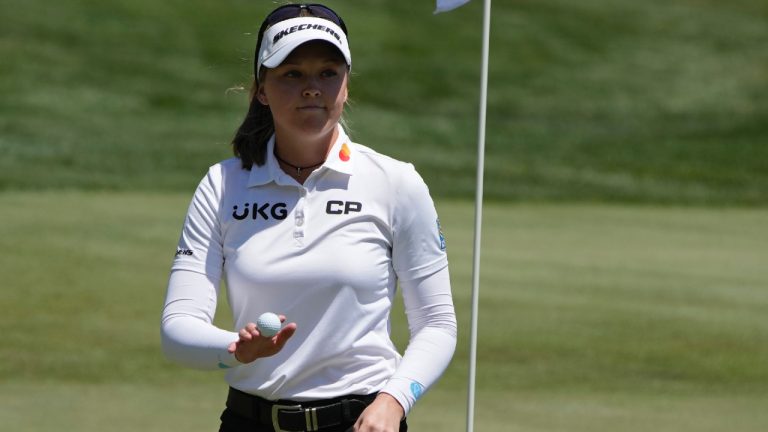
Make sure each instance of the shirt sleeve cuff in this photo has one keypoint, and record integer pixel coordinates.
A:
(227, 360)
(405, 391)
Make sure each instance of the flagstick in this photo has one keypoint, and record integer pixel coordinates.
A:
(478, 215)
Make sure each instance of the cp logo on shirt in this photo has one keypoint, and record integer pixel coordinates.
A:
(346, 207)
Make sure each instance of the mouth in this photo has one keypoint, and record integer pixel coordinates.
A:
(310, 108)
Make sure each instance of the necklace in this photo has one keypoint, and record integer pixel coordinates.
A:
(296, 167)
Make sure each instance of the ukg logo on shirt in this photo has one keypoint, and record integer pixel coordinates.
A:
(276, 211)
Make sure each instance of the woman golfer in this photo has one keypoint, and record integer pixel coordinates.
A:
(307, 224)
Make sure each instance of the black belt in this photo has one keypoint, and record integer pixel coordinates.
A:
(292, 416)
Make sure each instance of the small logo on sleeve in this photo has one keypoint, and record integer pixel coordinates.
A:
(186, 252)
(440, 235)
(416, 389)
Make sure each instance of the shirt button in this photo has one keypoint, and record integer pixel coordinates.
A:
(299, 221)
(298, 234)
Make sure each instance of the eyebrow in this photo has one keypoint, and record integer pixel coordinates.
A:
(329, 60)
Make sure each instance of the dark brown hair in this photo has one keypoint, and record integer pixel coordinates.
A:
(250, 141)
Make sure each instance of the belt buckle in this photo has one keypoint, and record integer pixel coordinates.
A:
(276, 409)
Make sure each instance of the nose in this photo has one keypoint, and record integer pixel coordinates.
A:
(311, 92)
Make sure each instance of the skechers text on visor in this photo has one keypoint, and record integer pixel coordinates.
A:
(283, 37)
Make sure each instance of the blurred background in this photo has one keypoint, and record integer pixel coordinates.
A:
(624, 277)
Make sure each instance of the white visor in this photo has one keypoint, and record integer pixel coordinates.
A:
(282, 38)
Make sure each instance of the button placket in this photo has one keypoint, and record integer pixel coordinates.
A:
(298, 228)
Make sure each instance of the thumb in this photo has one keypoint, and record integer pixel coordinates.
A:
(284, 334)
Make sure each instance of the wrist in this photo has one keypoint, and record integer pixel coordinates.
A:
(392, 403)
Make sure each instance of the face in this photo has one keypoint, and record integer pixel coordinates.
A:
(307, 92)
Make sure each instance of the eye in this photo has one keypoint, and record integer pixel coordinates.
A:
(329, 73)
(292, 73)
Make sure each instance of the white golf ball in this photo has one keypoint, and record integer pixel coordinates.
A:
(269, 324)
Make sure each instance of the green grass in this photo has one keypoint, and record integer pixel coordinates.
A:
(593, 317)
(656, 102)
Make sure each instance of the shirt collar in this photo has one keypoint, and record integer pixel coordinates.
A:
(340, 158)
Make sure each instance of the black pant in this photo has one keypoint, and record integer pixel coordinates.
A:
(232, 422)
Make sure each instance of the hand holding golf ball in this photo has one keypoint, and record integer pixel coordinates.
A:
(264, 338)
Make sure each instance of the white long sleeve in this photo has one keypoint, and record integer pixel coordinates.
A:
(433, 331)
(187, 331)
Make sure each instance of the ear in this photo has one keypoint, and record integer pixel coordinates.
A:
(261, 96)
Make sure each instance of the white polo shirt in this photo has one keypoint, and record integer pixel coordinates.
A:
(327, 254)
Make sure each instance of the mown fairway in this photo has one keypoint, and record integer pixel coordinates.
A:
(594, 318)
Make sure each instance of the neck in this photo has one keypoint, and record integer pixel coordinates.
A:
(300, 170)
(300, 150)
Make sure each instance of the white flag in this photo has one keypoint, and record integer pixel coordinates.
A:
(446, 5)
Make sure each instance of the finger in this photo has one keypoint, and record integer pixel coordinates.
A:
(282, 318)
(232, 348)
(253, 329)
(245, 335)
(288, 330)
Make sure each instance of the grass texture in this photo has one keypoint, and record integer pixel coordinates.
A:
(593, 318)
(596, 100)
(596, 315)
